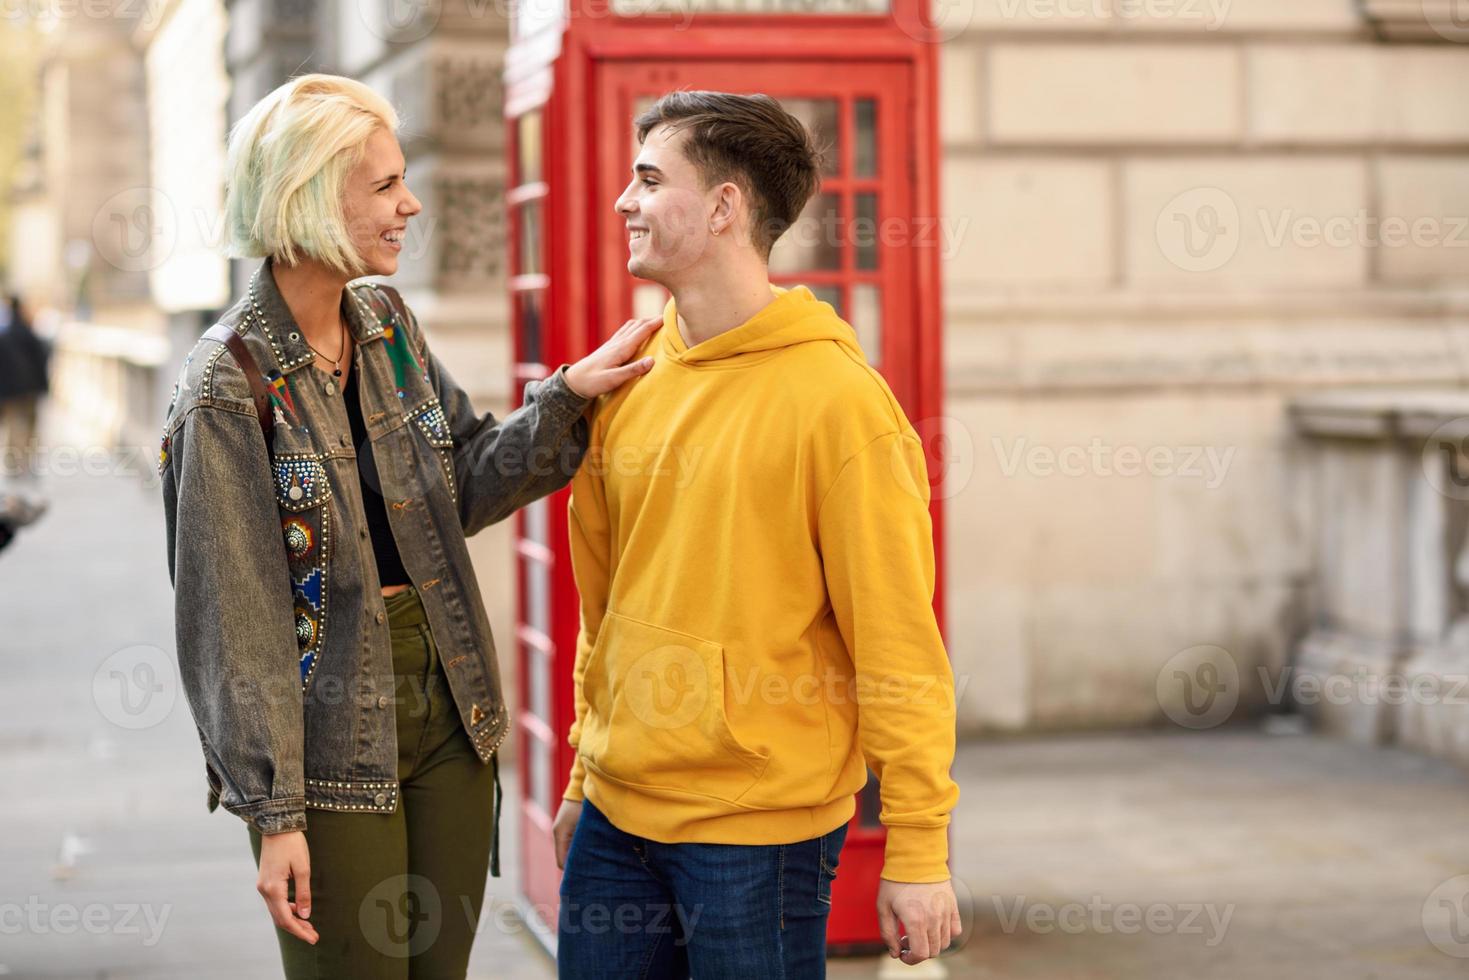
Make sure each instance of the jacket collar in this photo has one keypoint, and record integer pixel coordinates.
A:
(267, 309)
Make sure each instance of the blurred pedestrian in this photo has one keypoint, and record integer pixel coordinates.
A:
(24, 361)
(15, 513)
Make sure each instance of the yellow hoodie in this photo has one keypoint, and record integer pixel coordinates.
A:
(751, 540)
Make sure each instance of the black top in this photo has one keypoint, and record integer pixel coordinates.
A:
(390, 569)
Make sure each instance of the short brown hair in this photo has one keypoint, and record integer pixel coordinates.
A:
(749, 140)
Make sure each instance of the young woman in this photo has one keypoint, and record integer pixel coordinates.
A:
(332, 642)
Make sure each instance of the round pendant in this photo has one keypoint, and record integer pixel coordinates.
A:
(337, 372)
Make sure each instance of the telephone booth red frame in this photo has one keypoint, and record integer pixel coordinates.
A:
(575, 78)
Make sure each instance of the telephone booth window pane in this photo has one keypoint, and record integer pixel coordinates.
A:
(814, 242)
(528, 315)
(528, 144)
(867, 319)
(648, 300)
(819, 116)
(779, 8)
(536, 522)
(864, 231)
(832, 295)
(540, 775)
(639, 107)
(537, 595)
(530, 237)
(538, 683)
(865, 138)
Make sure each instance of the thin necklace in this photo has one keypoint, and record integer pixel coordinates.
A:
(336, 361)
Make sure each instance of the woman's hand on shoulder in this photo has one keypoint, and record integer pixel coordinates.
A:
(612, 364)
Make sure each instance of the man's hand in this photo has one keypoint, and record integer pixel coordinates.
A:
(563, 827)
(918, 921)
(607, 367)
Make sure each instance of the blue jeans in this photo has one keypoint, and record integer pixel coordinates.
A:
(635, 908)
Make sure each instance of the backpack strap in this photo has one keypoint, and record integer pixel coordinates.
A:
(226, 335)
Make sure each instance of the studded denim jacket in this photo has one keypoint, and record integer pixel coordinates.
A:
(282, 637)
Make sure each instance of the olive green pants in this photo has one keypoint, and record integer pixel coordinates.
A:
(398, 896)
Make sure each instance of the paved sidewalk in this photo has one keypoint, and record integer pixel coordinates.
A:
(1168, 855)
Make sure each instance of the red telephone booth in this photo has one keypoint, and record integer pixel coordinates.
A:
(863, 77)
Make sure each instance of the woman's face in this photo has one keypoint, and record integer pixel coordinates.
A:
(378, 204)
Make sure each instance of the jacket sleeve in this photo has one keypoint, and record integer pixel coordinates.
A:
(502, 465)
(591, 567)
(877, 552)
(237, 652)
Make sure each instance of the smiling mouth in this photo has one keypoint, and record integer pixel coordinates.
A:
(395, 237)
(636, 234)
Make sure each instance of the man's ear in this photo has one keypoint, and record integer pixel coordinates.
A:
(728, 203)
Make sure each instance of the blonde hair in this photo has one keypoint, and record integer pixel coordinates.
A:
(287, 166)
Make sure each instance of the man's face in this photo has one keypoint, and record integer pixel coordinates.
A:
(667, 210)
(377, 205)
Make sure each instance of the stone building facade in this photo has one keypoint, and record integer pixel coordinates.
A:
(1179, 216)
(1162, 221)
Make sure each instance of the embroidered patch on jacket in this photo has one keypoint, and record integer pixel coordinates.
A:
(304, 492)
(434, 424)
(300, 482)
(300, 538)
(308, 586)
(278, 386)
(306, 640)
(399, 345)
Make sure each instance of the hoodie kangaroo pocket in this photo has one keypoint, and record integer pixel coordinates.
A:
(656, 713)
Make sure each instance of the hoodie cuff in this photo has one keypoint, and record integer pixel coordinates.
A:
(917, 855)
(574, 783)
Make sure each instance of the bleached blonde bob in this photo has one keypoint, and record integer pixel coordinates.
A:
(287, 165)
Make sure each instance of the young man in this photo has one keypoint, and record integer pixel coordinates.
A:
(751, 540)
